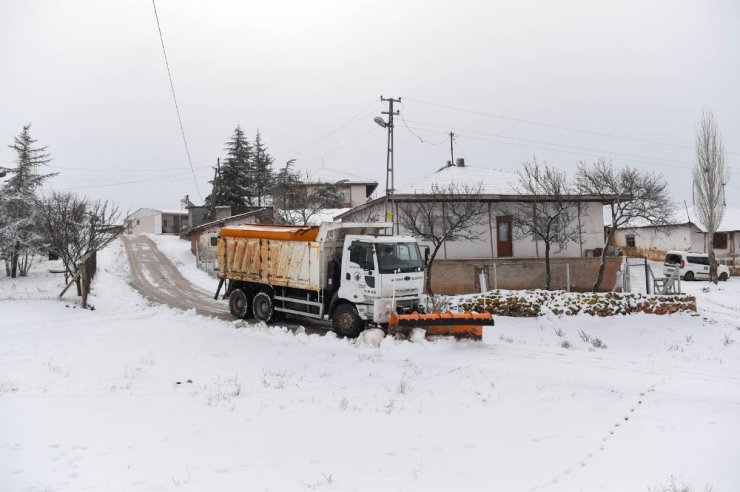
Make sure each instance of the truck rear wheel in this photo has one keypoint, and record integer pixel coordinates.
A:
(263, 307)
(347, 322)
(239, 304)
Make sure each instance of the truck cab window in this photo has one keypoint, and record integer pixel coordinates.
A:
(362, 254)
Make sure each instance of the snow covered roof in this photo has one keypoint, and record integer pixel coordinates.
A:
(683, 215)
(325, 175)
(493, 181)
(327, 215)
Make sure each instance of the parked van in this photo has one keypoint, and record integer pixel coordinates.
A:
(692, 266)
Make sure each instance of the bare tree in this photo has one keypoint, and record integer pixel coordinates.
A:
(297, 201)
(710, 177)
(548, 213)
(453, 212)
(631, 195)
(74, 226)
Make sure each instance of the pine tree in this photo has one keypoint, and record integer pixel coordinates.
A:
(20, 238)
(263, 177)
(235, 183)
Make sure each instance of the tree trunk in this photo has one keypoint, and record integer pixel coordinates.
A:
(602, 265)
(548, 277)
(14, 261)
(712, 259)
(429, 270)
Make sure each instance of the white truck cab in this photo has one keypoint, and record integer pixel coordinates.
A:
(380, 274)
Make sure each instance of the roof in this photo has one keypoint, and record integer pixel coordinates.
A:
(154, 211)
(225, 220)
(496, 185)
(683, 216)
(493, 181)
(330, 176)
(286, 233)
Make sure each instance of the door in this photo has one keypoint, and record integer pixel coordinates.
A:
(360, 267)
(503, 236)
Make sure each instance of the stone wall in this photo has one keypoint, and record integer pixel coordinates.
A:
(462, 276)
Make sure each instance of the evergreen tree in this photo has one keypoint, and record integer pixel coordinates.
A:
(20, 238)
(234, 185)
(263, 177)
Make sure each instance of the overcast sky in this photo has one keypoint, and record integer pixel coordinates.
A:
(513, 79)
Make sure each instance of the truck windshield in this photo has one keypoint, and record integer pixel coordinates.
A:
(398, 257)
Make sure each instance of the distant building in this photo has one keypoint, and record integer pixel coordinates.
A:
(684, 232)
(355, 189)
(156, 221)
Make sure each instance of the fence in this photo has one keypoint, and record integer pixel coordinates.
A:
(645, 277)
(46, 279)
(205, 259)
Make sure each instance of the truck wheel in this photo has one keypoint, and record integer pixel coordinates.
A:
(239, 304)
(347, 322)
(724, 277)
(263, 307)
(689, 276)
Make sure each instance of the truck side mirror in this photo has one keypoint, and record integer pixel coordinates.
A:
(426, 254)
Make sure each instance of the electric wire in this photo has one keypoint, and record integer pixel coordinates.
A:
(549, 125)
(351, 121)
(372, 130)
(414, 133)
(589, 149)
(174, 98)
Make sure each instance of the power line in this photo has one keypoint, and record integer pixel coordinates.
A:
(307, 145)
(174, 98)
(126, 170)
(372, 130)
(561, 150)
(589, 149)
(549, 125)
(134, 181)
(417, 136)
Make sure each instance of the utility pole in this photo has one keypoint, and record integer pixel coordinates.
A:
(215, 190)
(389, 185)
(452, 152)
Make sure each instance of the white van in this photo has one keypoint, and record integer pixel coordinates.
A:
(692, 266)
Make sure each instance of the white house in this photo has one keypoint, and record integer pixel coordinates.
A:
(684, 232)
(513, 261)
(155, 221)
(498, 192)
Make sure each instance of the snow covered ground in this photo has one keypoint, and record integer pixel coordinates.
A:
(139, 397)
(39, 284)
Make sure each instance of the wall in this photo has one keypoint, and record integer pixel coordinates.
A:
(683, 237)
(461, 276)
(147, 224)
(358, 194)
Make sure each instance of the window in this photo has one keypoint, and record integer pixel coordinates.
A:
(399, 257)
(164, 222)
(214, 240)
(630, 241)
(346, 198)
(503, 231)
(138, 222)
(698, 260)
(361, 254)
(719, 241)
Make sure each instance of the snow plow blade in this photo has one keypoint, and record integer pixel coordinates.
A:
(465, 325)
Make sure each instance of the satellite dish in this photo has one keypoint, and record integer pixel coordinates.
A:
(380, 121)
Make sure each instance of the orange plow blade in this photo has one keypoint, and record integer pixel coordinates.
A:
(463, 325)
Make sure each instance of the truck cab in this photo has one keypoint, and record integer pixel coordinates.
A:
(380, 274)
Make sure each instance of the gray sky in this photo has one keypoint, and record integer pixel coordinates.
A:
(91, 78)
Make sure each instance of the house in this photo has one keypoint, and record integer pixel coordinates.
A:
(509, 261)
(683, 232)
(354, 189)
(156, 221)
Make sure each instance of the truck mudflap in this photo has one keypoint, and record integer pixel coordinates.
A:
(459, 325)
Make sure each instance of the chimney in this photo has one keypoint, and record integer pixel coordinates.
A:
(460, 162)
(448, 164)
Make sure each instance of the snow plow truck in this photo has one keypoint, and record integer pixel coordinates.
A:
(348, 273)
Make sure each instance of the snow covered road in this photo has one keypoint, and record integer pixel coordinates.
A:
(137, 397)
